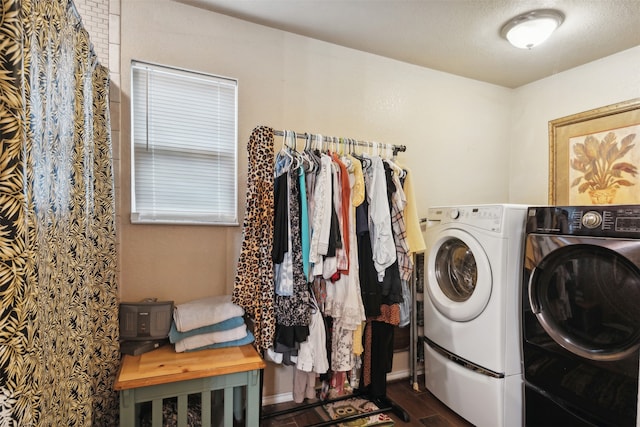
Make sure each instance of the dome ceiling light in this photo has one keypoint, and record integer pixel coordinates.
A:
(532, 28)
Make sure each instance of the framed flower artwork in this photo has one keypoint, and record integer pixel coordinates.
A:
(594, 156)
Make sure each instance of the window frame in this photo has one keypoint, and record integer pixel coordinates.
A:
(185, 217)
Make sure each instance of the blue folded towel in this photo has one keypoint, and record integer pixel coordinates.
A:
(175, 335)
(242, 341)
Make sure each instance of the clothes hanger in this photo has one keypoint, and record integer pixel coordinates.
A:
(364, 157)
(391, 160)
(319, 144)
(358, 156)
(324, 144)
(397, 169)
(284, 159)
(314, 154)
(293, 152)
(346, 158)
(307, 154)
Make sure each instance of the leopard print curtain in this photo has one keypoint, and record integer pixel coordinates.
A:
(59, 337)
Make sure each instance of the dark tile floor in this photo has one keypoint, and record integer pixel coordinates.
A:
(422, 407)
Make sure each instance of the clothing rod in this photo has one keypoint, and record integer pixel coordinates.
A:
(396, 148)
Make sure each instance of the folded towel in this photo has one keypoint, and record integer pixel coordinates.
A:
(225, 325)
(203, 340)
(204, 312)
(242, 341)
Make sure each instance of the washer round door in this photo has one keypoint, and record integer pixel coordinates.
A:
(459, 275)
(585, 294)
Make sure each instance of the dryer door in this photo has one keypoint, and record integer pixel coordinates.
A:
(459, 276)
(585, 292)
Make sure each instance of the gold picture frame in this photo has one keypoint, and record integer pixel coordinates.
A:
(596, 146)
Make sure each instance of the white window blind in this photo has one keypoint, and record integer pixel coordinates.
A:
(184, 149)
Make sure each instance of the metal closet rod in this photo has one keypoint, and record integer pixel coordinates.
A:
(396, 148)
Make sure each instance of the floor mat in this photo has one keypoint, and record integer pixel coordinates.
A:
(353, 406)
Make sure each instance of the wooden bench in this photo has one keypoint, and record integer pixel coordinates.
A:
(163, 374)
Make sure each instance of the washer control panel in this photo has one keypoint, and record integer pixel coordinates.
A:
(487, 217)
(599, 221)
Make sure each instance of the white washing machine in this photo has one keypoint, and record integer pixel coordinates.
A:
(472, 311)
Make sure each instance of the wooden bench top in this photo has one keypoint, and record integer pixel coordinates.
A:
(163, 365)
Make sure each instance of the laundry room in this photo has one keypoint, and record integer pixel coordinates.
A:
(461, 139)
(468, 142)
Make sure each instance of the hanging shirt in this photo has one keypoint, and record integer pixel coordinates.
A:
(321, 215)
(304, 225)
(357, 188)
(398, 202)
(280, 218)
(414, 233)
(351, 309)
(336, 256)
(293, 311)
(283, 265)
(343, 214)
(382, 244)
(312, 355)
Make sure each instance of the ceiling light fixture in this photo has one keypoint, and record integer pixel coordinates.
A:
(532, 28)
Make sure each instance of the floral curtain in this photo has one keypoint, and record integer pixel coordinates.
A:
(59, 349)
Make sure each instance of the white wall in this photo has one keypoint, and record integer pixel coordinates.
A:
(600, 83)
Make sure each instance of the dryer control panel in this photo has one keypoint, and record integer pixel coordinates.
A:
(488, 217)
(597, 221)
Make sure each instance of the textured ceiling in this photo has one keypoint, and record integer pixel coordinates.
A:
(461, 37)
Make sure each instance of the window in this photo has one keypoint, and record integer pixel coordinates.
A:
(184, 150)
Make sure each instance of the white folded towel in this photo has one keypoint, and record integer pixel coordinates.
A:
(202, 340)
(204, 312)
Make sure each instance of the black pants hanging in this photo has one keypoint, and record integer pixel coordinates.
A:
(382, 334)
